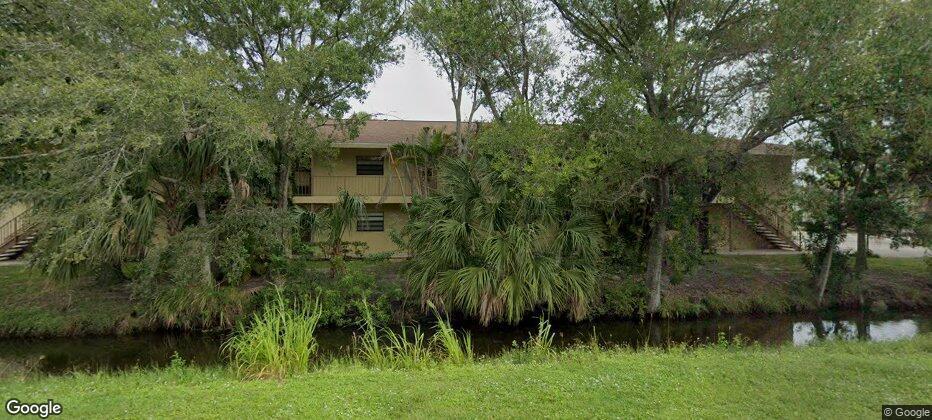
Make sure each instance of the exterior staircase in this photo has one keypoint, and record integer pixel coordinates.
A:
(17, 247)
(767, 231)
(16, 236)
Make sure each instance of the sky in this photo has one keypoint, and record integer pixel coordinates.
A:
(411, 90)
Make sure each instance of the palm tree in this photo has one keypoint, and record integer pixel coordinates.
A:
(480, 247)
(422, 158)
(336, 220)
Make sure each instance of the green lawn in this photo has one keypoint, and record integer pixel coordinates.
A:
(733, 284)
(840, 380)
(31, 305)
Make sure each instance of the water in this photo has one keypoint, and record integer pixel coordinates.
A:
(90, 354)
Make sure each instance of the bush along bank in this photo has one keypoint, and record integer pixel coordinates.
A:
(31, 305)
(769, 284)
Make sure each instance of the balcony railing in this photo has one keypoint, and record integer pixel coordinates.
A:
(328, 185)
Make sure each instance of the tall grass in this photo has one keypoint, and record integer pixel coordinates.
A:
(408, 352)
(456, 349)
(387, 349)
(279, 340)
(407, 347)
(369, 349)
(538, 347)
(543, 341)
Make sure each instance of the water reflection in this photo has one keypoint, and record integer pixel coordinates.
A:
(60, 355)
(804, 333)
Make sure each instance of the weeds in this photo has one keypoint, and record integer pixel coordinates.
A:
(397, 350)
(456, 348)
(278, 342)
(408, 353)
(408, 348)
(538, 347)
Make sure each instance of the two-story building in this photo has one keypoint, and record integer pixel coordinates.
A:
(364, 166)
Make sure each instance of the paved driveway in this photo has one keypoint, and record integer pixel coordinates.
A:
(881, 247)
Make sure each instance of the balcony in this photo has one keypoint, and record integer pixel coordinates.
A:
(310, 189)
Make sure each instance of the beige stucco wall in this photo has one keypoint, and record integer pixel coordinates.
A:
(395, 218)
(332, 175)
(6, 215)
(730, 233)
(344, 163)
(766, 176)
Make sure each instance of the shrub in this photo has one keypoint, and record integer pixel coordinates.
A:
(342, 298)
(278, 342)
(620, 296)
(840, 279)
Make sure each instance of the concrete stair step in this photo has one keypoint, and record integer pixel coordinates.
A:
(764, 231)
(18, 248)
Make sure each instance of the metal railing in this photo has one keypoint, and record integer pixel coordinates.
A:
(13, 229)
(776, 219)
(329, 185)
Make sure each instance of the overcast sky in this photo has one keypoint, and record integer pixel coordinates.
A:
(410, 90)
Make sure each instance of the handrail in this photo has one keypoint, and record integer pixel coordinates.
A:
(307, 183)
(782, 225)
(13, 228)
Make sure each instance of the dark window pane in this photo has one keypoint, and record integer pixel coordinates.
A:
(371, 222)
(369, 165)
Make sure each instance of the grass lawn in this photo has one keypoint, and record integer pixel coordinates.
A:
(31, 305)
(778, 283)
(836, 380)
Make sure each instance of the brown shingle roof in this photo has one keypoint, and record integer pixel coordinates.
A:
(388, 132)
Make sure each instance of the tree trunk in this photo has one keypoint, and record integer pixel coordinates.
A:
(655, 247)
(826, 267)
(201, 206)
(490, 99)
(457, 104)
(710, 191)
(229, 177)
(201, 209)
(284, 185)
(702, 227)
(860, 263)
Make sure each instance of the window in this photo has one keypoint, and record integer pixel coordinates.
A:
(369, 165)
(371, 222)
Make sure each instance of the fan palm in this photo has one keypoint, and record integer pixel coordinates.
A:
(479, 247)
(422, 157)
(336, 220)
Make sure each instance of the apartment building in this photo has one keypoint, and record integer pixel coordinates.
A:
(365, 166)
